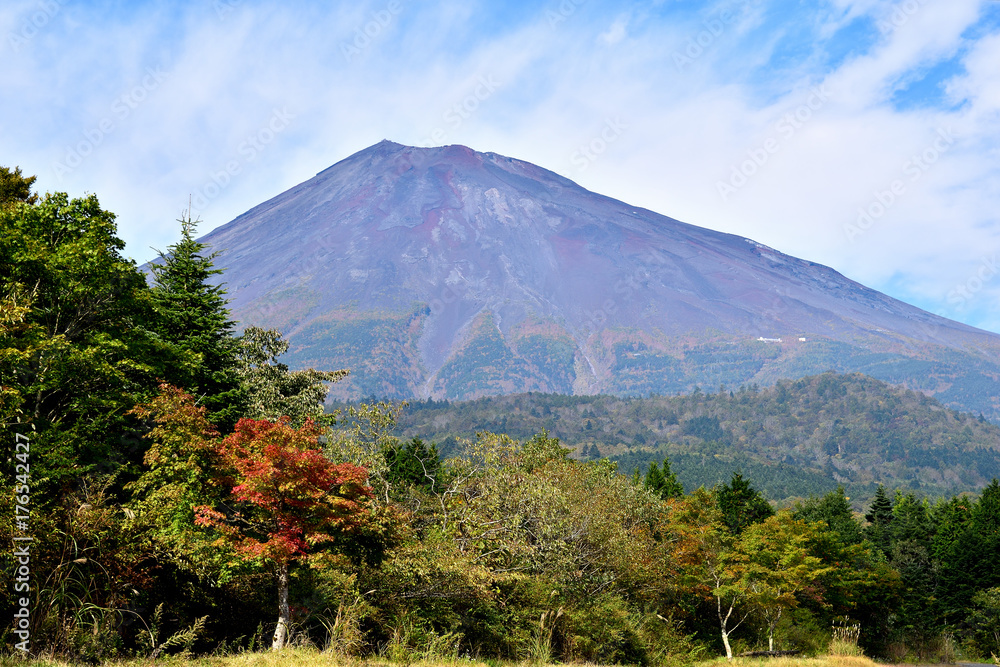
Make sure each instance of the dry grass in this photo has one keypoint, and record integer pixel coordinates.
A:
(822, 661)
(304, 657)
(294, 657)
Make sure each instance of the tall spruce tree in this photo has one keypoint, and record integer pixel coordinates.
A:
(879, 517)
(194, 319)
(912, 534)
(741, 504)
(663, 482)
(957, 550)
(986, 526)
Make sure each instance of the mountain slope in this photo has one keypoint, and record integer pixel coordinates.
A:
(449, 273)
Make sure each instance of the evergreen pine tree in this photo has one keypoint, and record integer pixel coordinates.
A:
(193, 318)
(663, 482)
(957, 550)
(986, 526)
(654, 478)
(912, 536)
(414, 464)
(741, 504)
(671, 487)
(879, 517)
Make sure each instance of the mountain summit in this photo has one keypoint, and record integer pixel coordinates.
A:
(449, 273)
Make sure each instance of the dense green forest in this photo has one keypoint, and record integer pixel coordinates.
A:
(794, 439)
(171, 486)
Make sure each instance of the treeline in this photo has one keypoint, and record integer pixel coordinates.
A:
(797, 438)
(179, 489)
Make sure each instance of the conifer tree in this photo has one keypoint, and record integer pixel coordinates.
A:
(957, 550)
(654, 478)
(14, 187)
(912, 537)
(663, 482)
(741, 504)
(415, 464)
(986, 526)
(193, 318)
(879, 517)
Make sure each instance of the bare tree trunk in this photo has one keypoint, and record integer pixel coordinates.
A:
(284, 613)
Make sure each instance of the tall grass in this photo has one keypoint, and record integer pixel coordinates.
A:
(540, 649)
(844, 641)
(820, 661)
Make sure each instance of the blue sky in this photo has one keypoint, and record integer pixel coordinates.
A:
(860, 134)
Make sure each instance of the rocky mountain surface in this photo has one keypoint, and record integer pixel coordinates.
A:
(449, 273)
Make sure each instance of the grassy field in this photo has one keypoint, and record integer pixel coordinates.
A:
(297, 657)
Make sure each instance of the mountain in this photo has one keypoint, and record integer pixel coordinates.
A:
(797, 438)
(449, 273)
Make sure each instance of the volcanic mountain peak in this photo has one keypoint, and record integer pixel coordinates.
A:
(452, 273)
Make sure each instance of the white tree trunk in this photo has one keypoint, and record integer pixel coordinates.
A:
(772, 624)
(284, 613)
(724, 625)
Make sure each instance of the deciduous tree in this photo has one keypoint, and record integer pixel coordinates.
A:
(779, 566)
(287, 499)
(182, 466)
(271, 390)
(77, 350)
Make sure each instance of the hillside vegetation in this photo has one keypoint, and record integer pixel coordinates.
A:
(795, 438)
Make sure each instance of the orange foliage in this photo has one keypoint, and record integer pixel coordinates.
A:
(288, 495)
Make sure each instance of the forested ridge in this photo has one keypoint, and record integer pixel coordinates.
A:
(172, 487)
(797, 438)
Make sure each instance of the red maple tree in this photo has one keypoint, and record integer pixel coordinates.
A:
(287, 498)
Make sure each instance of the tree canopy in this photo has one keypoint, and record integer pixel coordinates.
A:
(78, 351)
